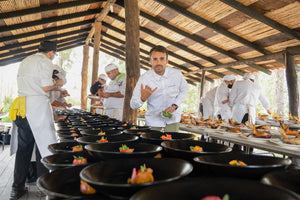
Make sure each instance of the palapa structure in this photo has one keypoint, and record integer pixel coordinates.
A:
(207, 39)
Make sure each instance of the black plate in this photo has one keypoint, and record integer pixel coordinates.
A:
(111, 139)
(107, 151)
(284, 179)
(65, 184)
(197, 188)
(257, 166)
(62, 160)
(181, 148)
(108, 131)
(110, 177)
(154, 137)
(138, 132)
(62, 147)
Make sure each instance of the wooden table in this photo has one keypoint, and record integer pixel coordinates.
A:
(263, 144)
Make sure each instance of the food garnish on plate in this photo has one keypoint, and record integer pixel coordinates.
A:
(79, 160)
(235, 123)
(294, 118)
(133, 127)
(276, 116)
(286, 138)
(225, 197)
(143, 175)
(237, 163)
(259, 133)
(287, 131)
(85, 188)
(77, 148)
(74, 134)
(166, 137)
(233, 130)
(196, 148)
(102, 140)
(125, 149)
(141, 132)
(101, 133)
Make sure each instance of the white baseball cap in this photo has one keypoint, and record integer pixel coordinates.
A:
(249, 76)
(110, 67)
(102, 76)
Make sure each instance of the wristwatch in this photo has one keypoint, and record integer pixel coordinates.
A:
(175, 106)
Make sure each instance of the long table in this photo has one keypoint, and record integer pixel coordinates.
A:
(263, 144)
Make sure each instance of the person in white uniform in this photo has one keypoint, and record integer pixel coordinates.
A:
(207, 102)
(244, 98)
(34, 83)
(221, 104)
(164, 89)
(114, 92)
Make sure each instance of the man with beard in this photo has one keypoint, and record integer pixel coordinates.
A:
(221, 104)
(164, 89)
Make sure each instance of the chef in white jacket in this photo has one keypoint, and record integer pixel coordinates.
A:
(222, 108)
(244, 98)
(208, 103)
(34, 81)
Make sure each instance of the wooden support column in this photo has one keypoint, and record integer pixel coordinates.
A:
(96, 51)
(84, 77)
(291, 78)
(132, 49)
(202, 83)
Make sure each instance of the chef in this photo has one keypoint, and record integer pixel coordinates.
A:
(222, 108)
(114, 92)
(244, 98)
(208, 103)
(32, 114)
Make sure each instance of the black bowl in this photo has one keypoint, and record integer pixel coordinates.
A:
(65, 184)
(111, 139)
(110, 177)
(257, 166)
(181, 148)
(154, 137)
(108, 151)
(68, 134)
(108, 131)
(62, 147)
(198, 188)
(68, 139)
(284, 179)
(138, 132)
(62, 160)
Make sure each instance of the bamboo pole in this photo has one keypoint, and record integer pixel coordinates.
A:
(84, 77)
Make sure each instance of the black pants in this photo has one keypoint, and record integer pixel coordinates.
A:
(23, 156)
(245, 118)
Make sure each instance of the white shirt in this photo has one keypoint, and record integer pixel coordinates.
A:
(116, 85)
(222, 94)
(34, 74)
(171, 89)
(208, 103)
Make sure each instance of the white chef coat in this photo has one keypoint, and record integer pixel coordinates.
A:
(222, 94)
(208, 103)
(244, 98)
(34, 73)
(113, 107)
(171, 89)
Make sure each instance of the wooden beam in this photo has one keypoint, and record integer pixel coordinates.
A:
(52, 37)
(132, 49)
(202, 83)
(292, 84)
(55, 6)
(96, 51)
(262, 18)
(47, 20)
(46, 30)
(273, 56)
(294, 50)
(84, 77)
(213, 26)
(99, 18)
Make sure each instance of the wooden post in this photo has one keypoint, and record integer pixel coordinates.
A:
(132, 49)
(84, 77)
(96, 51)
(291, 78)
(202, 83)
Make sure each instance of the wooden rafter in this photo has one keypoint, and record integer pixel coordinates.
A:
(260, 17)
(99, 18)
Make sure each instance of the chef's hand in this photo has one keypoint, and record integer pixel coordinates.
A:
(269, 111)
(59, 82)
(105, 94)
(146, 92)
(170, 109)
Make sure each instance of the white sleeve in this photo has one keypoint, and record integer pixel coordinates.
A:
(136, 101)
(264, 101)
(183, 90)
(233, 94)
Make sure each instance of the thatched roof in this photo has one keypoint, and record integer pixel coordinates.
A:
(198, 33)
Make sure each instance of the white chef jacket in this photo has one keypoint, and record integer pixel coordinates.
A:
(222, 94)
(244, 98)
(35, 72)
(208, 103)
(171, 89)
(116, 85)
